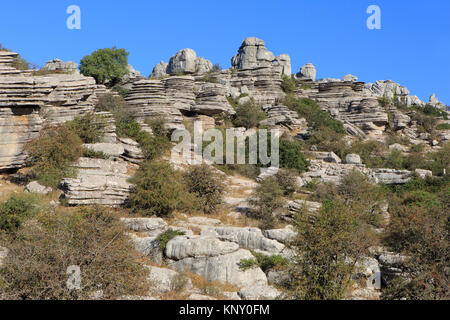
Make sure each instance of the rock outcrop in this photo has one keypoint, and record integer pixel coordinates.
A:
(183, 62)
(57, 65)
(27, 103)
(307, 72)
(98, 181)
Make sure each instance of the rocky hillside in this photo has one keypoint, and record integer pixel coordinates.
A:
(345, 217)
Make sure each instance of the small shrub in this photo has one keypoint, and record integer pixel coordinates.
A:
(272, 262)
(268, 200)
(89, 128)
(166, 236)
(17, 209)
(216, 67)
(206, 186)
(247, 264)
(52, 153)
(310, 110)
(288, 84)
(89, 153)
(287, 181)
(248, 115)
(158, 190)
(158, 126)
(291, 155)
(120, 90)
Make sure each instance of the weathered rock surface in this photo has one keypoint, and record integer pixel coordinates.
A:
(35, 187)
(224, 268)
(98, 181)
(281, 235)
(198, 246)
(392, 176)
(252, 54)
(27, 102)
(110, 149)
(280, 115)
(57, 65)
(259, 292)
(250, 238)
(307, 72)
(163, 280)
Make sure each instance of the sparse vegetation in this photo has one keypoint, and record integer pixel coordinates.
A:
(52, 153)
(248, 115)
(89, 127)
(206, 186)
(91, 238)
(166, 236)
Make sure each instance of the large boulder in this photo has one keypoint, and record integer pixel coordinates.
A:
(160, 70)
(224, 268)
(198, 246)
(252, 54)
(307, 72)
(186, 61)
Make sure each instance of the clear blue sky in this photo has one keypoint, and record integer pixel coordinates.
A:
(412, 48)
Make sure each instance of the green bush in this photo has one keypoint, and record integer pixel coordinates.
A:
(166, 236)
(52, 153)
(315, 116)
(89, 127)
(92, 238)
(158, 190)
(19, 63)
(120, 90)
(153, 146)
(17, 209)
(246, 264)
(268, 201)
(321, 270)
(291, 155)
(106, 66)
(206, 186)
(272, 262)
(288, 84)
(248, 115)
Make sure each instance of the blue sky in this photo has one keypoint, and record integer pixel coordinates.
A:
(412, 48)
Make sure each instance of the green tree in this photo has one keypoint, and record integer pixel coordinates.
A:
(106, 66)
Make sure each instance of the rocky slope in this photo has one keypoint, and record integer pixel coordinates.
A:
(189, 88)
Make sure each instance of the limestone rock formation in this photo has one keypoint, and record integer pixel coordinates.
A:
(253, 54)
(183, 62)
(198, 246)
(280, 115)
(284, 61)
(57, 65)
(98, 181)
(211, 100)
(224, 268)
(160, 70)
(35, 187)
(307, 72)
